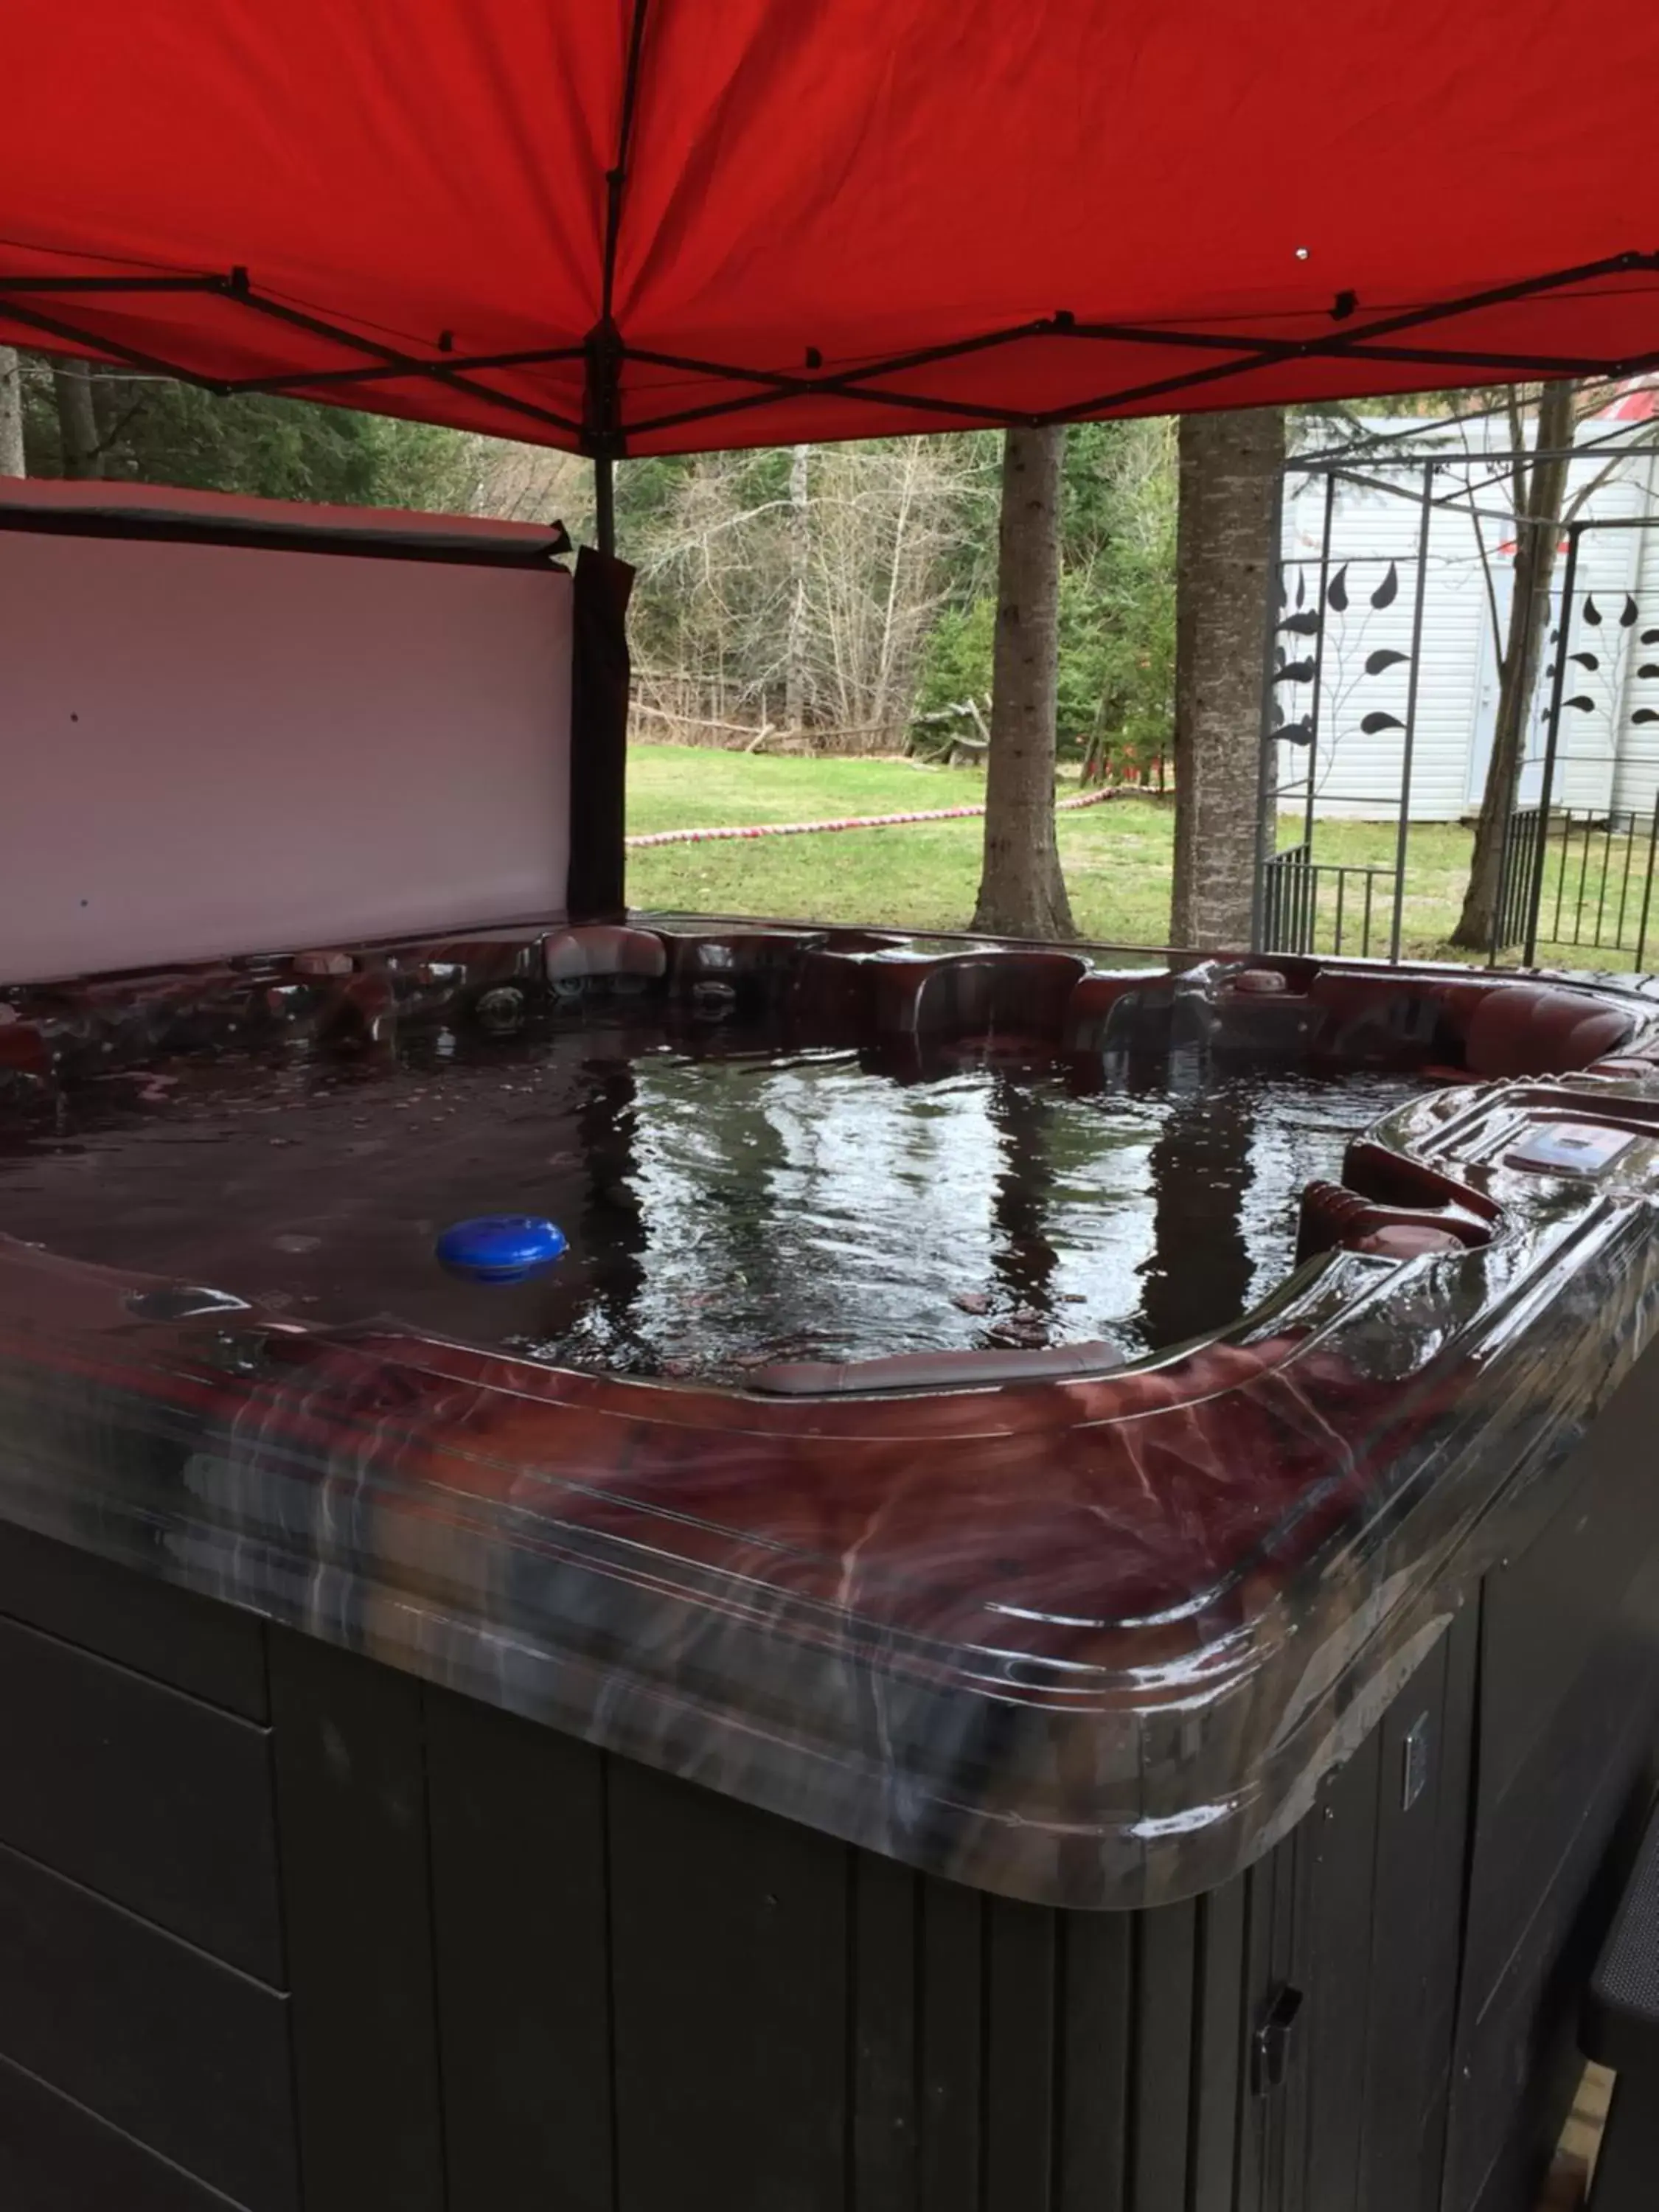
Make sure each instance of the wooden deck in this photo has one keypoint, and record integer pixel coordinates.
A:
(1576, 2159)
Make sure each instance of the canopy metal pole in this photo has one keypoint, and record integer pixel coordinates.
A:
(1266, 796)
(1553, 730)
(1408, 736)
(1323, 611)
(604, 505)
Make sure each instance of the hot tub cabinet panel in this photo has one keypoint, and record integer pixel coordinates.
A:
(1016, 1779)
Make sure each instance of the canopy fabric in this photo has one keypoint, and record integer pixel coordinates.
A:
(650, 226)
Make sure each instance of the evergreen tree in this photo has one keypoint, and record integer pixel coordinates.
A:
(129, 427)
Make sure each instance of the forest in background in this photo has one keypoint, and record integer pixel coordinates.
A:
(844, 596)
(149, 429)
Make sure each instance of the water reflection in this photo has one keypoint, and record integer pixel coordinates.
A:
(724, 1208)
(1022, 1256)
(1198, 1273)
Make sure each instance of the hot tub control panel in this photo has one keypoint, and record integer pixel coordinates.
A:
(1582, 1148)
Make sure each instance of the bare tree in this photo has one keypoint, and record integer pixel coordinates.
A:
(1022, 892)
(800, 552)
(11, 415)
(710, 614)
(511, 483)
(1540, 495)
(883, 517)
(1227, 558)
(805, 592)
(78, 419)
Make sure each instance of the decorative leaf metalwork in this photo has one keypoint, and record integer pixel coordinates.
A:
(1582, 702)
(1302, 625)
(1592, 613)
(1336, 592)
(1627, 620)
(1301, 585)
(1646, 715)
(1388, 590)
(1296, 672)
(1374, 722)
(1384, 657)
(1585, 660)
(1296, 733)
(1649, 668)
(1650, 637)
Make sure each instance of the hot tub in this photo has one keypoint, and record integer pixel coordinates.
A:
(1053, 1606)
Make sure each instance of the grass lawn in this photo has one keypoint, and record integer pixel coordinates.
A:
(1116, 857)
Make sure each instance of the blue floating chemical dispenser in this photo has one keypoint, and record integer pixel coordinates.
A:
(501, 1248)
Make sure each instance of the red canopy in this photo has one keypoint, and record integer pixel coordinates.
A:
(654, 225)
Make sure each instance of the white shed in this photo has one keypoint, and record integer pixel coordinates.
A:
(1354, 655)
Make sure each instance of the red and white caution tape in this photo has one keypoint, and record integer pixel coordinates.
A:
(855, 822)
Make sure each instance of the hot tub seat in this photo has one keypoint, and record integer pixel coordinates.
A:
(977, 994)
(1541, 1029)
(696, 955)
(1476, 1025)
(577, 960)
(1112, 1009)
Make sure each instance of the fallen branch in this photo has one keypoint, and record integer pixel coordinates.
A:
(814, 736)
(865, 821)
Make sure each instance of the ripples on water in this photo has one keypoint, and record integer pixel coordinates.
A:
(722, 1210)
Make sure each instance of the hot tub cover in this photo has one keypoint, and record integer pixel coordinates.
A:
(661, 224)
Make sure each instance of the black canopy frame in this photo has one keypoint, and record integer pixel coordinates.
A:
(605, 353)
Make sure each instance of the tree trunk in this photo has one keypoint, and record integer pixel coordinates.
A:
(1022, 892)
(77, 421)
(800, 549)
(11, 415)
(1226, 563)
(1541, 494)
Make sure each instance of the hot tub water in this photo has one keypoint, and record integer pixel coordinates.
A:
(724, 1209)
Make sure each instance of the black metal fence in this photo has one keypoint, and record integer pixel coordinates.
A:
(1321, 906)
(1590, 870)
(1518, 884)
(1575, 877)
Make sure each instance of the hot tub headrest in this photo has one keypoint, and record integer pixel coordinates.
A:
(1109, 1006)
(966, 994)
(603, 949)
(1540, 1028)
(1493, 1029)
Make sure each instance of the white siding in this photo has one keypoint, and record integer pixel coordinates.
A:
(1636, 779)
